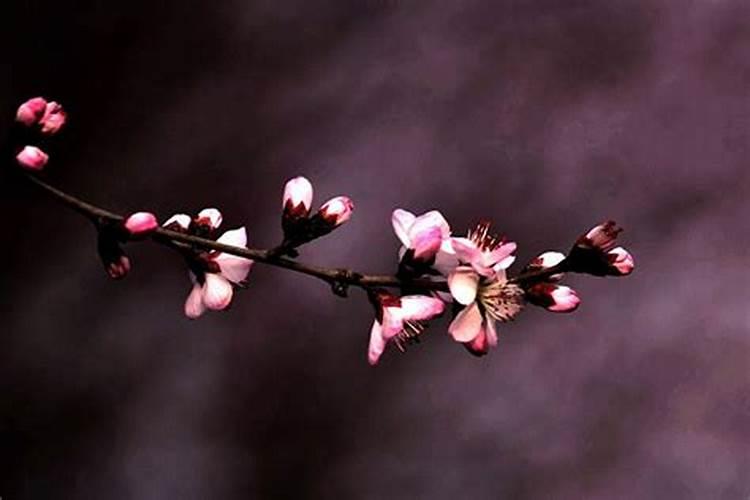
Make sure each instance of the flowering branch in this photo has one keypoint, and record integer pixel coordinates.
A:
(435, 268)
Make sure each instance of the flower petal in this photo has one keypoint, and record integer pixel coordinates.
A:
(298, 192)
(393, 322)
(402, 220)
(445, 259)
(480, 345)
(421, 307)
(211, 216)
(235, 237)
(463, 283)
(426, 244)
(466, 250)
(217, 292)
(181, 221)
(467, 324)
(429, 220)
(233, 268)
(194, 307)
(377, 344)
(621, 262)
(491, 332)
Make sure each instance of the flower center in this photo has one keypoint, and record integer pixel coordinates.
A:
(482, 238)
(502, 301)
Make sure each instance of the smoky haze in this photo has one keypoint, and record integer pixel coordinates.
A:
(545, 116)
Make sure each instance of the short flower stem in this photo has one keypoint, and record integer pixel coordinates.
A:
(339, 279)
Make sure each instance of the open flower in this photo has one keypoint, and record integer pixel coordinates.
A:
(215, 275)
(399, 320)
(596, 252)
(479, 283)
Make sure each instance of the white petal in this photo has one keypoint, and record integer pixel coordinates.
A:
(467, 324)
(402, 221)
(377, 343)
(235, 237)
(298, 191)
(194, 306)
(233, 268)
(217, 292)
(421, 307)
(393, 322)
(445, 260)
(463, 283)
(212, 215)
(429, 220)
(182, 220)
(466, 250)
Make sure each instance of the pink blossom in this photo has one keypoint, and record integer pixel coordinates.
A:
(213, 288)
(32, 111)
(487, 300)
(555, 298)
(337, 210)
(621, 263)
(141, 223)
(53, 119)
(400, 320)
(32, 158)
(485, 253)
(425, 236)
(297, 199)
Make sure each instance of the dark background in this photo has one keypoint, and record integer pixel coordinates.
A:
(546, 115)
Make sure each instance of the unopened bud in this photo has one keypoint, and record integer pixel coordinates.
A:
(337, 210)
(297, 200)
(32, 158)
(31, 112)
(141, 223)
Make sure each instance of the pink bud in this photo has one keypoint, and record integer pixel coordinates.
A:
(31, 112)
(555, 298)
(337, 210)
(141, 223)
(297, 200)
(621, 263)
(54, 118)
(119, 268)
(32, 158)
(602, 236)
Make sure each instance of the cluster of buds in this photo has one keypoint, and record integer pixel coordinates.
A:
(298, 225)
(42, 119)
(481, 294)
(437, 271)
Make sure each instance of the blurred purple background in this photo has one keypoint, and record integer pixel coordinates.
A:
(546, 116)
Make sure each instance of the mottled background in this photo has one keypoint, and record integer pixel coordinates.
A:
(545, 115)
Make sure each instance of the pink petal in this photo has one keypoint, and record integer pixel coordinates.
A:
(235, 238)
(480, 344)
(463, 283)
(211, 217)
(501, 256)
(466, 250)
(233, 268)
(467, 324)
(564, 298)
(141, 223)
(491, 332)
(32, 158)
(426, 243)
(393, 322)
(377, 344)
(402, 221)
(194, 307)
(217, 292)
(421, 307)
(298, 192)
(54, 118)
(445, 259)
(621, 261)
(429, 220)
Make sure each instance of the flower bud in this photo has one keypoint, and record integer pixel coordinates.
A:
(209, 217)
(116, 263)
(602, 237)
(546, 261)
(297, 200)
(337, 210)
(53, 119)
(621, 263)
(555, 298)
(31, 112)
(178, 222)
(118, 269)
(32, 158)
(141, 223)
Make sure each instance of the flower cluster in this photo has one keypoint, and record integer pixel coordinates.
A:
(437, 271)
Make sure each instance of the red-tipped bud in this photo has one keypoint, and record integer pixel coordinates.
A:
(546, 261)
(602, 237)
(621, 263)
(31, 112)
(119, 268)
(32, 158)
(555, 298)
(53, 119)
(141, 223)
(337, 210)
(297, 200)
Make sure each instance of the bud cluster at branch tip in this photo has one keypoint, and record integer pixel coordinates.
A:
(41, 118)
